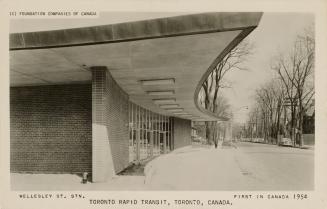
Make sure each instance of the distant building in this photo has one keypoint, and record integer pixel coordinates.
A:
(309, 119)
(308, 133)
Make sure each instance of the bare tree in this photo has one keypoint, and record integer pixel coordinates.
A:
(232, 61)
(210, 88)
(222, 110)
(268, 110)
(296, 71)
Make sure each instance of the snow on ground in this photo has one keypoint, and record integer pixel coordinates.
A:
(250, 166)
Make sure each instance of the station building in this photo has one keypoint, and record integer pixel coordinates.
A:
(96, 99)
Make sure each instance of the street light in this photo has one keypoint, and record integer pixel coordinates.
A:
(245, 107)
(233, 113)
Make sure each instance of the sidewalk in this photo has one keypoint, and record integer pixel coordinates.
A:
(66, 182)
(195, 169)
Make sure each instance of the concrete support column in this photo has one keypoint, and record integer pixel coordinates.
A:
(172, 142)
(102, 164)
(168, 142)
(138, 135)
(151, 143)
(164, 142)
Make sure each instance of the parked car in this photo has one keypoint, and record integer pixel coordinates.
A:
(285, 142)
(260, 140)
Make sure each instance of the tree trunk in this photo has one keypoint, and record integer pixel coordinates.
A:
(278, 123)
(300, 127)
(208, 131)
(293, 122)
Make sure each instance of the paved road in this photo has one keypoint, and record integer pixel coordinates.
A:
(250, 166)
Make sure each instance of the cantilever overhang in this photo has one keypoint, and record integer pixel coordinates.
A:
(160, 63)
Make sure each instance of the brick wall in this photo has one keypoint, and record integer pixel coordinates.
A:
(110, 124)
(51, 129)
(102, 163)
(182, 132)
(117, 123)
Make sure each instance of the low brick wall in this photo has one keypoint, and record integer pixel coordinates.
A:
(182, 133)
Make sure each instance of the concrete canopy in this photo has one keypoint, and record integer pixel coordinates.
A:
(152, 60)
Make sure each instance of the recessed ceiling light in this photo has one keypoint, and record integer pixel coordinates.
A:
(150, 82)
(175, 110)
(186, 115)
(160, 93)
(164, 101)
(168, 105)
(179, 113)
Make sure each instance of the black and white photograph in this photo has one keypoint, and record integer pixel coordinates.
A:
(163, 101)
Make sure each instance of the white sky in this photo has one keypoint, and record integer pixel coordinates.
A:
(275, 32)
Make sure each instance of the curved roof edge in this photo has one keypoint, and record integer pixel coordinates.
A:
(146, 29)
(232, 45)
